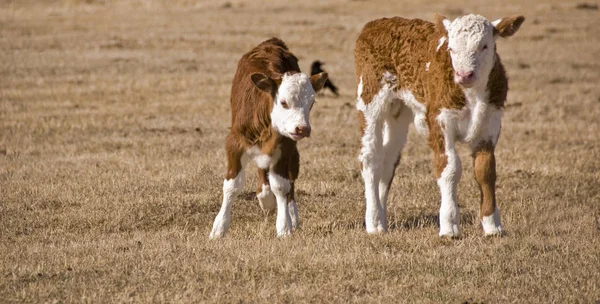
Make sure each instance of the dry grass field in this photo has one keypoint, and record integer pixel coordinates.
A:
(112, 121)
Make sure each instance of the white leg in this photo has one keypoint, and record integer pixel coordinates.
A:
(294, 214)
(231, 189)
(395, 131)
(372, 163)
(266, 199)
(281, 187)
(448, 182)
(372, 153)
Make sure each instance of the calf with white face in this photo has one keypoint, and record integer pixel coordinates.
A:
(293, 101)
(277, 118)
(480, 75)
(447, 77)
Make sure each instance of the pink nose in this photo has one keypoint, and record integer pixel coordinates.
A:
(303, 130)
(465, 77)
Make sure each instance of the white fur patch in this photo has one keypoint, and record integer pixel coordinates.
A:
(494, 124)
(417, 108)
(427, 66)
(263, 161)
(374, 113)
(440, 43)
(477, 122)
(381, 102)
(360, 88)
(479, 110)
(297, 91)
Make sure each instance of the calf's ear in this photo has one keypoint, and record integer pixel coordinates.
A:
(318, 80)
(264, 83)
(441, 22)
(507, 26)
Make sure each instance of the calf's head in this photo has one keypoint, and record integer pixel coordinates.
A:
(293, 98)
(472, 44)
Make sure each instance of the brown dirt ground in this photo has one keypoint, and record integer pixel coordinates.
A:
(112, 121)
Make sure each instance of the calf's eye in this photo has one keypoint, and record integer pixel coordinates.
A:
(284, 104)
(484, 47)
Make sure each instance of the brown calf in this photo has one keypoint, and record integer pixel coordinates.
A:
(270, 106)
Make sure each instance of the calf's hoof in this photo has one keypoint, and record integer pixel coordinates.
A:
(491, 224)
(451, 231)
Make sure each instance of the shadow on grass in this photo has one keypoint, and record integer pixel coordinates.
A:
(247, 196)
(425, 220)
(399, 222)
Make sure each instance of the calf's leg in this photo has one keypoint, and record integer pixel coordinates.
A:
(232, 186)
(265, 196)
(281, 187)
(448, 171)
(293, 171)
(372, 112)
(371, 167)
(395, 131)
(484, 165)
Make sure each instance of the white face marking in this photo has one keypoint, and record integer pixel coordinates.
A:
(293, 102)
(472, 48)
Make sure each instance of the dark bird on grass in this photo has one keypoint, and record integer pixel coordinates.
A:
(316, 69)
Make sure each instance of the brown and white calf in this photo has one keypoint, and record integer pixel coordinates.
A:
(446, 77)
(270, 104)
